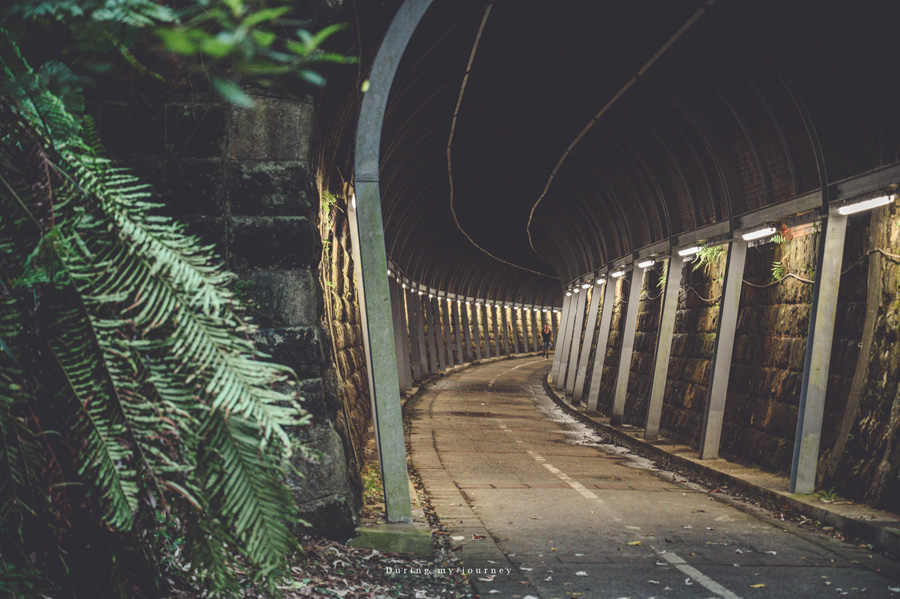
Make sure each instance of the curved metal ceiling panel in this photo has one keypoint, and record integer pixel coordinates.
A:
(528, 143)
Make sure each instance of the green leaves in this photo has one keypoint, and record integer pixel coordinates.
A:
(126, 369)
(262, 45)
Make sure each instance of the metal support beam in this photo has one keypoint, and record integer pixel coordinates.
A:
(514, 315)
(485, 311)
(663, 347)
(448, 332)
(367, 235)
(472, 312)
(721, 366)
(634, 301)
(811, 410)
(560, 337)
(458, 330)
(504, 329)
(401, 341)
(414, 325)
(533, 320)
(430, 324)
(566, 349)
(495, 319)
(577, 334)
(420, 324)
(590, 331)
(609, 300)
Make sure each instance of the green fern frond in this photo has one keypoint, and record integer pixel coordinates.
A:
(154, 381)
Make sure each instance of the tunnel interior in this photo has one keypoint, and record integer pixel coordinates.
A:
(521, 152)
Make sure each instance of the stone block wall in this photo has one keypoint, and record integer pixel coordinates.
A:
(769, 351)
(693, 344)
(240, 179)
(614, 347)
(646, 331)
(864, 461)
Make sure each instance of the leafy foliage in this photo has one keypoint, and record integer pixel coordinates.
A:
(262, 43)
(129, 385)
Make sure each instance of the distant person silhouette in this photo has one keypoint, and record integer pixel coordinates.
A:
(547, 336)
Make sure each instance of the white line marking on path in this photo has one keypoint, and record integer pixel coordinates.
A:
(675, 560)
(582, 490)
(699, 576)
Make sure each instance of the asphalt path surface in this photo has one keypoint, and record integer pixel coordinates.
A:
(538, 506)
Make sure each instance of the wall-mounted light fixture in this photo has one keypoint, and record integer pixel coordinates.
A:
(854, 207)
(759, 233)
(586, 286)
(389, 272)
(568, 293)
(646, 263)
(403, 285)
(576, 290)
(617, 274)
(421, 292)
(694, 249)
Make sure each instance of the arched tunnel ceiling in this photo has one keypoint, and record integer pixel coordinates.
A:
(526, 143)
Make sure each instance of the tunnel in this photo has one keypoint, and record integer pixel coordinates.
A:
(513, 163)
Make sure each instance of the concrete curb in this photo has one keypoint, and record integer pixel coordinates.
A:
(880, 529)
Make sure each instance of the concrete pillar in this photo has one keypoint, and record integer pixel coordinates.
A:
(721, 365)
(515, 314)
(401, 341)
(485, 311)
(663, 347)
(590, 331)
(577, 334)
(414, 325)
(634, 300)
(811, 410)
(458, 330)
(560, 337)
(448, 331)
(466, 331)
(609, 300)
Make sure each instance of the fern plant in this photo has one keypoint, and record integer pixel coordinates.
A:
(129, 387)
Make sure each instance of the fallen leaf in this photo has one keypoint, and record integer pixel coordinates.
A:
(653, 581)
(477, 537)
(581, 573)
(633, 543)
(757, 586)
(688, 581)
(548, 579)
(458, 538)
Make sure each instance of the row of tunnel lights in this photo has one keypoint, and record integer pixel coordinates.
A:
(752, 235)
(478, 303)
